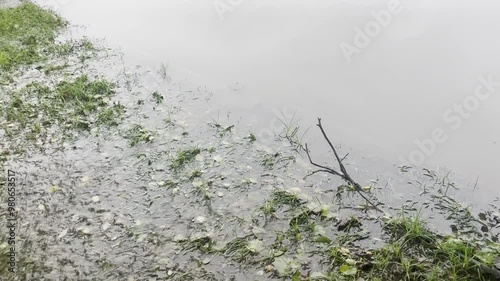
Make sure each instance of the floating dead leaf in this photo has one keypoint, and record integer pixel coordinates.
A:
(217, 158)
(258, 231)
(285, 266)
(318, 276)
(348, 270)
(179, 238)
(200, 219)
(255, 246)
(323, 239)
(142, 237)
(164, 261)
(105, 226)
(197, 183)
(350, 262)
(62, 234)
(54, 189)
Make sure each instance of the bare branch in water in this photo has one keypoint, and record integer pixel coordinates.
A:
(343, 171)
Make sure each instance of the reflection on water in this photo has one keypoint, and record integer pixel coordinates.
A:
(269, 54)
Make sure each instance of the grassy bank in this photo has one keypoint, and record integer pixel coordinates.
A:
(157, 195)
(46, 111)
(28, 35)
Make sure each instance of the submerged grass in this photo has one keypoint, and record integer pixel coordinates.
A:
(43, 113)
(280, 198)
(138, 134)
(184, 157)
(412, 251)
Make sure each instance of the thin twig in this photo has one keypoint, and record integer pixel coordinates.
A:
(343, 171)
(330, 170)
(315, 172)
(343, 158)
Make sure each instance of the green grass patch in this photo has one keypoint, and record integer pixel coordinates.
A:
(242, 249)
(280, 198)
(157, 97)
(39, 111)
(138, 134)
(184, 157)
(27, 35)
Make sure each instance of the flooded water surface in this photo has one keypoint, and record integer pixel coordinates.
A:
(264, 57)
(178, 152)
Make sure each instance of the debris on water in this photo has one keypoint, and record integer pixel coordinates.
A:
(54, 189)
(255, 246)
(237, 215)
(197, 183)
(218, 158)
(200, 219)
(62, 234)
(285, 266)
(164, 261)
(141, 238)
(105, 226)
(348, 270)
(258, 231)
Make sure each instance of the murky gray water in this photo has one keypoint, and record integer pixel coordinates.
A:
(263, 57)
(118, 212)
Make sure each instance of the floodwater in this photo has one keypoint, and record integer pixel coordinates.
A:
(260, 58)
(102, 209)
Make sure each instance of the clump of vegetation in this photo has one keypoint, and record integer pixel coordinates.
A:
(410, 231)
(251, 137)
(27, 35)
(280, 198)
(184, 157)
(40, 112)
(195, 174)
(111, 115)
(221, 130)
(138, 134)
(157, 97)
(242, 249)
(301, 223)
(416, 253)
(203, 244)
